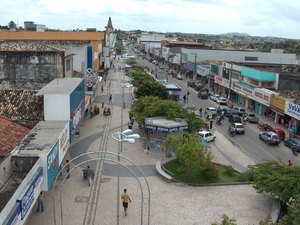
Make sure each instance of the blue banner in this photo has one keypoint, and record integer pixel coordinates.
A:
(28, 198)
(89, 71)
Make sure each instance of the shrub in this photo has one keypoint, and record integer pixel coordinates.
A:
(246, 176)
(229, 170)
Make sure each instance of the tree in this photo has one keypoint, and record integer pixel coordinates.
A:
(278, 179)
(151, 89)
(150, 106)
(282, 182)
(190, 152)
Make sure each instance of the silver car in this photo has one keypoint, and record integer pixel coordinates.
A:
(252, 118)
(238, 127)
(269, 137)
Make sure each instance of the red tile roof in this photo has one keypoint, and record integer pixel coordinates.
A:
(11, 135)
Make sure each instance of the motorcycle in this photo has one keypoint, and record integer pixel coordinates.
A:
(231, 132)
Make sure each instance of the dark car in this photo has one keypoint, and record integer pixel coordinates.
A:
(228, 112)
(234, 119)
(269, 137)
(203, 95)
(293, 143)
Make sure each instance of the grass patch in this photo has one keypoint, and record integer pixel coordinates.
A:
(216, 174)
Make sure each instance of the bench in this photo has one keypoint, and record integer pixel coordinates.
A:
(161, 172)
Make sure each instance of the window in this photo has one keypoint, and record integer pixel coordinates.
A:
(68, 64)
(251, 58)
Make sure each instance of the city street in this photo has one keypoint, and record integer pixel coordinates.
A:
(249, 143)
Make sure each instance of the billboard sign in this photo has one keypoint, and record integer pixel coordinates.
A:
(52, 164)
(89, 70)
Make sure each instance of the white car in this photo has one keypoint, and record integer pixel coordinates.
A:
(214, 97)
(207, 136)
(210, 110)
(222, 101)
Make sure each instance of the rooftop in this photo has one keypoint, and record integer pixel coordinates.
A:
(22, 106)
(11, 135)
(60, 86)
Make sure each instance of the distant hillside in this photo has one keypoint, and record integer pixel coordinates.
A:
(237, 34)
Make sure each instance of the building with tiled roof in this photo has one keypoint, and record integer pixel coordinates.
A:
(11, 135)
(22, 106)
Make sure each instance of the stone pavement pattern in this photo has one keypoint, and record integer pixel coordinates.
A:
(171, 203)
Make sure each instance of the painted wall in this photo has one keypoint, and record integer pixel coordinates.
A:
(258, 74)
(29, 70)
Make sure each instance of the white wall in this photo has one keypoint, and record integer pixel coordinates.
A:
(56, 107)
(11, 203)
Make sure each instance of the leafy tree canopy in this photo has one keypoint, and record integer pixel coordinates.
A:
(278, 179)
(151, 89)
(150, 106)
(190, 152)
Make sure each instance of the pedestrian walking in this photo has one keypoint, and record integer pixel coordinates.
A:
(102, 88)
(88, 174)
(290, 163)
(200, 111)
(125, 198)
(110, 99)
(211, 124)
(68, 167)
(184, 98)
(40, 203)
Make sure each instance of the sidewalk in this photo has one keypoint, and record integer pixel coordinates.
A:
(171, 204)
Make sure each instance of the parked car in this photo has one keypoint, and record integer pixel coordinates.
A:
(211, 110)
(241, 111)
(293, 143)
(214, 97)
(234, 119)
(222, 101)
(279, 132)
(207, 136)
(239, 128)
(252, 118)
(191, 83)
(203, 95)
(269, 137)
(229, 111)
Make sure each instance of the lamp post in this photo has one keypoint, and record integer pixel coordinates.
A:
(122, 136)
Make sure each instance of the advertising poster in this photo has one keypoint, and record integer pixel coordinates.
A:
(30, 193)
(52, 164)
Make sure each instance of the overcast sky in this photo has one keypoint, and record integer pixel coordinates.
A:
(279, 18)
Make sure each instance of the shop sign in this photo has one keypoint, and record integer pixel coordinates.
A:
(64, 138)
(242, 89)
(277, 102)
(262, 96)
(292, 110)
(89, 70)
(15, 216)
(222, 81)
(52, 164)
(202, 70)
(27, 199)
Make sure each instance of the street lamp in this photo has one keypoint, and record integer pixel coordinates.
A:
(122, 136)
